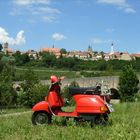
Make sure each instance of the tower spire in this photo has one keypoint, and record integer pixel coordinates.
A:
(112, 48)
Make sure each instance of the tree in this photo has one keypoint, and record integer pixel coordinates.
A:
(17, 56)
(21, 58)
(32, 91)
(25, 58)
(102, 54)
(95, 53)
(32, 95)
(128, 84)
(1, 47)
(110, 69)
(102, 65)
(68, 63)
(7, 93)
(48, 59)
(63, 51)
(30, 82)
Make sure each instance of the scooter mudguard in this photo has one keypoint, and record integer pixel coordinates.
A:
(41, 106)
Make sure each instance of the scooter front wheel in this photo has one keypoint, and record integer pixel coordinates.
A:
(40, 118)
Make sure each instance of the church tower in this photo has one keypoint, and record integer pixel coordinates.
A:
(90, 49)
(112, 49)
(5, 47)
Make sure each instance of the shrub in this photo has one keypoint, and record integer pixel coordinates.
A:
(66, 94)
(33, 95)
(7, 93)
(32, 91)
(128, 84)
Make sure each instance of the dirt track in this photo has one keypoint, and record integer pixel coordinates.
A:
(15, 114)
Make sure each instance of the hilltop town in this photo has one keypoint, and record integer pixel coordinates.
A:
(88, 54)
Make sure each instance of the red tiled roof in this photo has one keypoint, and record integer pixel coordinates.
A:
(9, 50)
(51, 50)
(136, 54)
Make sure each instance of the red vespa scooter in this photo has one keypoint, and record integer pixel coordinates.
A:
(90, 106)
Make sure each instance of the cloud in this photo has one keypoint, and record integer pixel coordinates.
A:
(130, 10)
(49, 19)
(103, 42)
(30, 2)
(115, 2)
(36, 9)
(58, 37)
(110, 30)
(121, 4)
(46, 10)
(100, 41)
(19, 40)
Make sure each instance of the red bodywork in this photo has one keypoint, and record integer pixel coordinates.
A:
(85, 104)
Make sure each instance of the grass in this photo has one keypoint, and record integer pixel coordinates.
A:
(125, 126)
(44, 73)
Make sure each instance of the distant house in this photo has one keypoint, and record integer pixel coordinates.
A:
(120, 56)
(134, 55)
(99, 56)
(106, 56)
(71, 54)
(32, 53)
(79, 55)
(114, 55)
(7, 50)
(84, 55)
(125, 56)
(55, 51)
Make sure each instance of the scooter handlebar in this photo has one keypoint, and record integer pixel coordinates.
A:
(62, 77)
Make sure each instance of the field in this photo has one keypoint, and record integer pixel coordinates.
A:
(44, 73)
(125, 126)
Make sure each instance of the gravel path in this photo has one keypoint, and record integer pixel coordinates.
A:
(15, 114)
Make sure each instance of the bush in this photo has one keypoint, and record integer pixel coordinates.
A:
(31, 90)
(7, 93)
(138, 96)
(33, 95)
(66, 95)
(128, 84)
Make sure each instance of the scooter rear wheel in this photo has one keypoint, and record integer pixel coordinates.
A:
(100, 120)
(40, 118)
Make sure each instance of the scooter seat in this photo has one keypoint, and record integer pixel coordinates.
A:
(85, 90)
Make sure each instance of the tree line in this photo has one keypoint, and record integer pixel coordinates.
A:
(50, 61)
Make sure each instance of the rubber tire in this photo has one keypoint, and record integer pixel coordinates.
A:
(40, 118)
(100, 120)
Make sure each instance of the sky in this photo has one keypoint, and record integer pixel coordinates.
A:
(71, 24)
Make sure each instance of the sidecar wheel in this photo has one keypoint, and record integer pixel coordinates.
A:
(40, 118)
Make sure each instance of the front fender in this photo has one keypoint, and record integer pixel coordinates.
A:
(41, 106)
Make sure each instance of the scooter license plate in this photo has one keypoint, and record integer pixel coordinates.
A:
(111, 109)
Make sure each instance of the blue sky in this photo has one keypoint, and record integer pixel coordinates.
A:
(71, 24)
